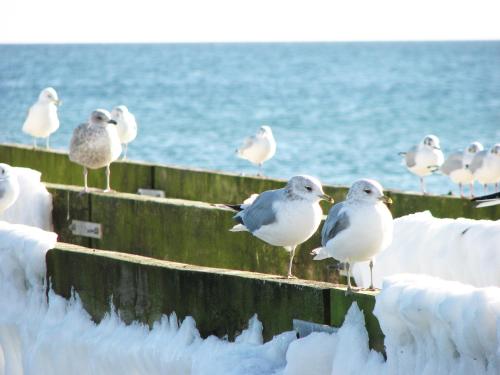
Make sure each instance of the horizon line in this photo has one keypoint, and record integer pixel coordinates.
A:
(250, 41)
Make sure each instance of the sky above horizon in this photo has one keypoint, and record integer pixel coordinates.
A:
(98, 21)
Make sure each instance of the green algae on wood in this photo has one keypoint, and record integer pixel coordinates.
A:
(220, 301)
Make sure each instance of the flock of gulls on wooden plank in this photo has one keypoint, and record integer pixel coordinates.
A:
(355, 230)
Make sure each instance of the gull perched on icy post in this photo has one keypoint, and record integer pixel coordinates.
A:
(9, 187)
(485, 167)
(126, 126)
(95, 144)
(457, 167)
(425, 158)
(284, 217)
(42, 119)
(258, 148)
(357, 229)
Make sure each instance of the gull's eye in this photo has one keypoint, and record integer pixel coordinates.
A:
(367, 191)
(308, 188)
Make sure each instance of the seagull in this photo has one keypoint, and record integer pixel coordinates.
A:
(95, 144)
(358, 228)
(284, 217)
(258, 148)
(126, 126)
(487, 200)
(9, 187)
(425, 158)
(485, 167)
(42, 119)
(457, 167)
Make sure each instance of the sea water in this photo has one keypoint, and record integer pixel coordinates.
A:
(339, 111)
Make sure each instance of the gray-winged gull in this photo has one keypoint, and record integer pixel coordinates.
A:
(284, 217)
(487, 200)
(42, 119)
(457, 166)
(95, 144)
(425, 158)
(485, 167)
(357, 228)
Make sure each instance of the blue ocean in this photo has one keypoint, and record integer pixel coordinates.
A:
(339, 111)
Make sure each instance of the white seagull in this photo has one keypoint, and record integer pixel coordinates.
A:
(425, 158)
(358, 228)
(42, 119)
(284, 217)
(457, 167)
(9, 187)
(126, 126)
(258, 148)
(95, 144)
(485, 167)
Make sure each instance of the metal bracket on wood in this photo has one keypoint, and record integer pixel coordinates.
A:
(304, 328)
(86, 229)
(151, 193)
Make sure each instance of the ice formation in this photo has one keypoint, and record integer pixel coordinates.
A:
(462, 250)
(34, 205)
(431, 326)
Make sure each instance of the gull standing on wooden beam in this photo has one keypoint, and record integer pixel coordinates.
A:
(258, 148)
(424, 159)
(358, 228)
(95, 144)
(284, 217)
(42, 119)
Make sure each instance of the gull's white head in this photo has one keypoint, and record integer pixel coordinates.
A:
(431, 141)
(308, 188)
(101, 117)
(118, 112)
(475, 147)
(6, 171)
(495, 149)
(367, 190)
(265, 130)
(49, 95)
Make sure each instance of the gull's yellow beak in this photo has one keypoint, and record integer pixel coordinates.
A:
(57, 102)
(386, 199)
(327, 198)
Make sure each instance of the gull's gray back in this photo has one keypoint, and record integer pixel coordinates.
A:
(410, 157)
(453, 162)
(335, 223)
(477, 161)
(261, 212)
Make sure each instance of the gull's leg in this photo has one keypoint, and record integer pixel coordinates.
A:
(422, 185)
(47, 143)
(34, 142)
(85, 186)
(292, 253)
(371, 275)
(472, 189)
(108, 175)
(485, 188)
(125, 151)
(349, 287)
(461, 190)
(260, 170)
(496, 187)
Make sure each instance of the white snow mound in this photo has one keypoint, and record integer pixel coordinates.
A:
(462, 250)
(34, 205)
